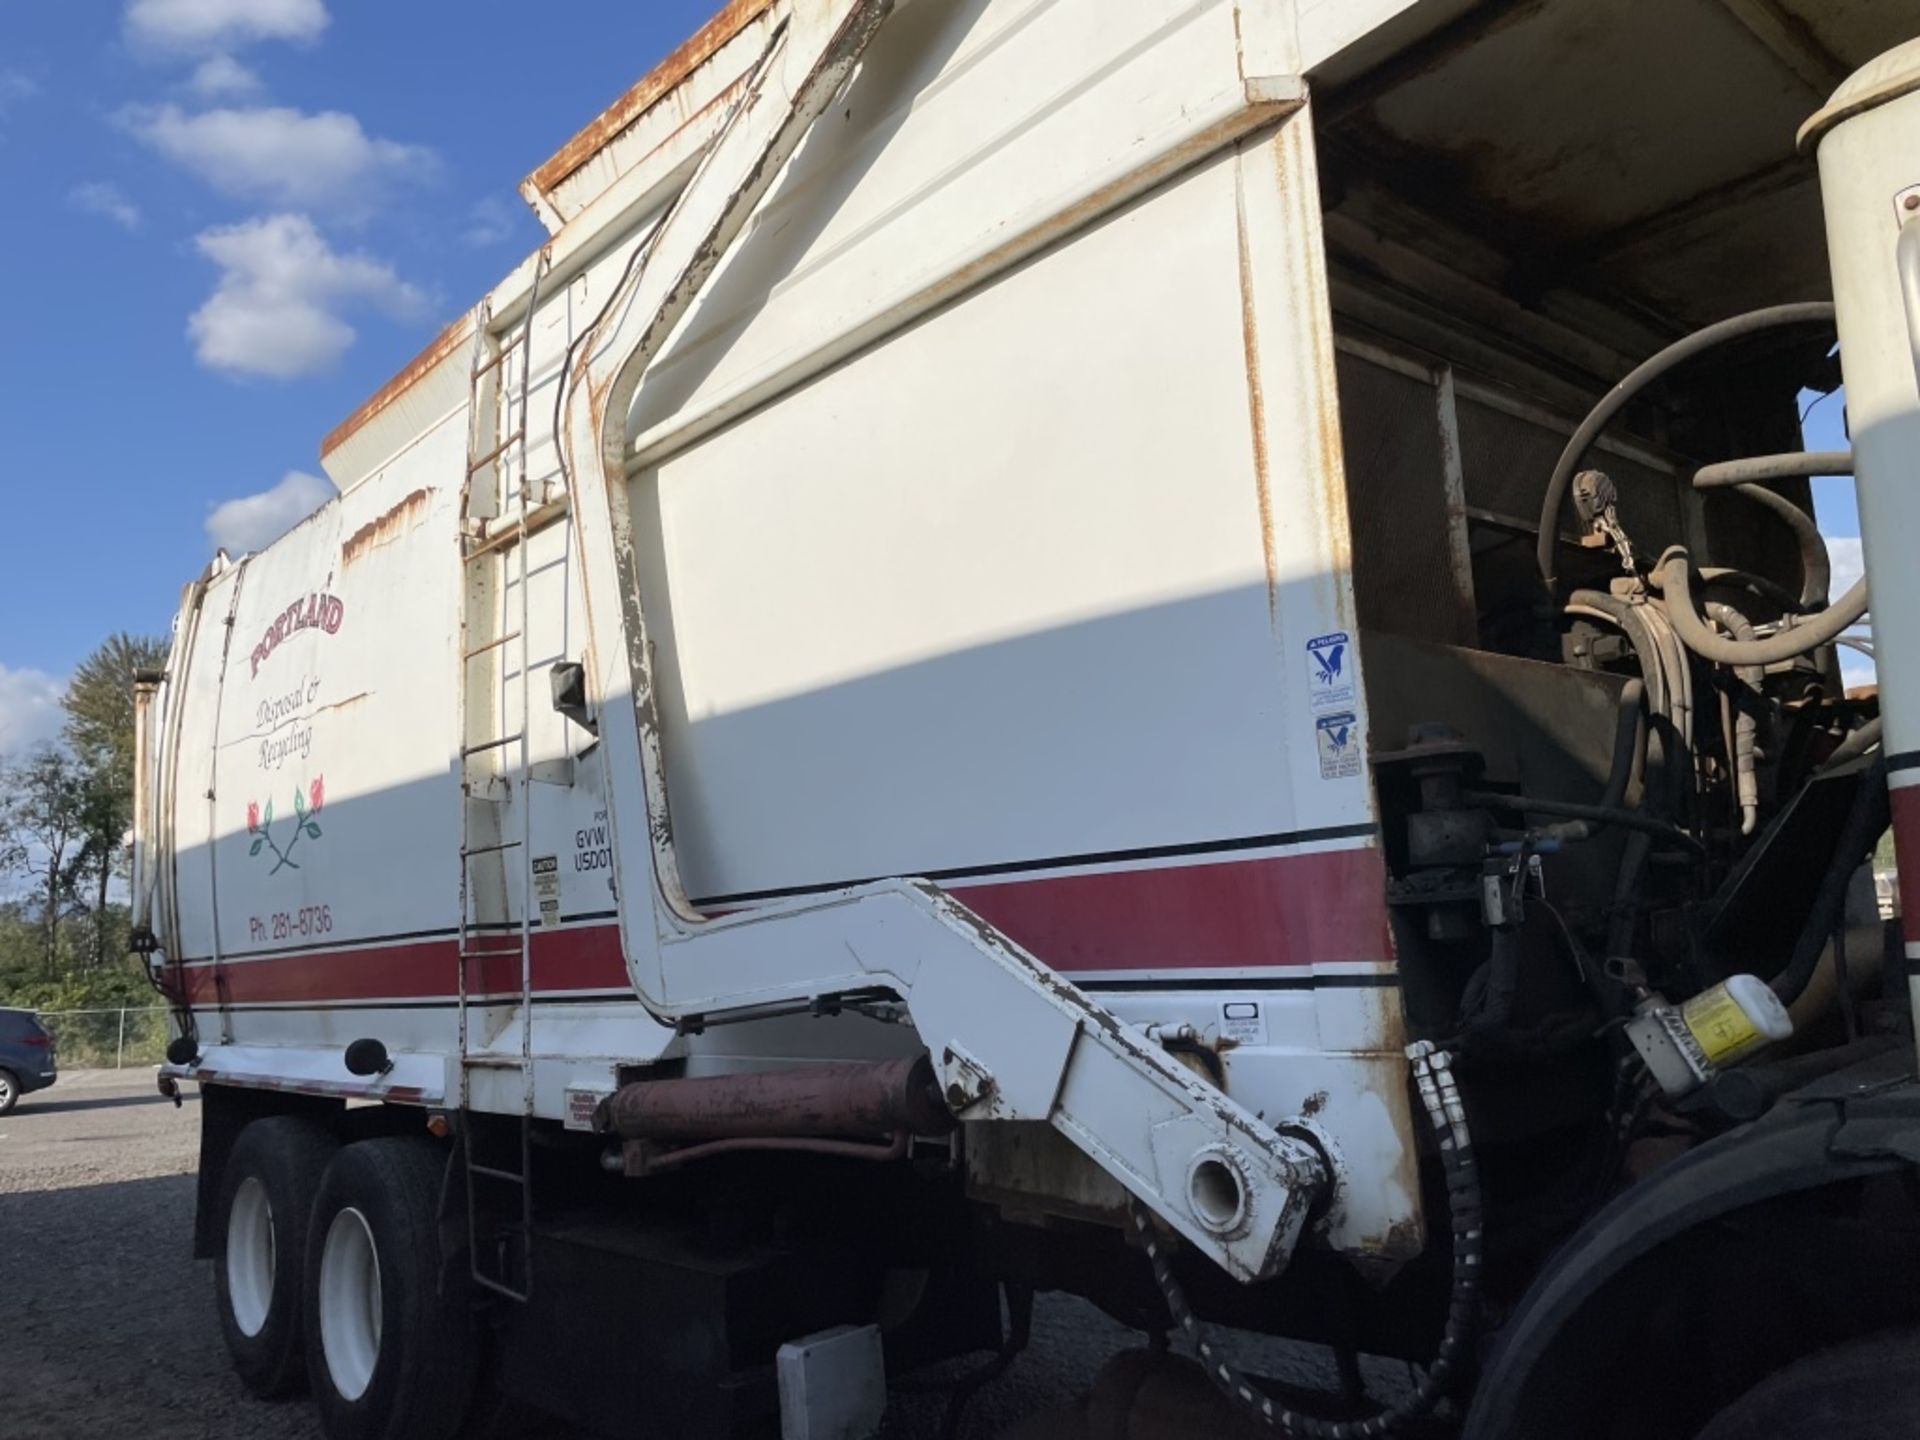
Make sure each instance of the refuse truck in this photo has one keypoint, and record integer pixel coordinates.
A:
(1169, 650)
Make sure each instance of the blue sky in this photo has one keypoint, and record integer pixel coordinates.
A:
(226, 223)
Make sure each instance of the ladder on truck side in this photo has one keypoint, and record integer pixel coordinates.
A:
(496, 883)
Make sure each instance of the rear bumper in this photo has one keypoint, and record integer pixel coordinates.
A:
(31, 1083)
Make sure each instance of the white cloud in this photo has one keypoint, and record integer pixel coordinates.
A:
(221, 77)
(96, 197)
(29, 709)
(252, 522)
(197, 27)
(275, 311)
(15, 86)
(323, 162)
(1849, 564)
(489, 223)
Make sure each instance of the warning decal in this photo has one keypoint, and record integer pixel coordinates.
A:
(1243, 1021)
(1330, 670)
(546, 887)
(1339, 739)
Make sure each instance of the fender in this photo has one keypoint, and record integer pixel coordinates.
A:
(1857, 1122)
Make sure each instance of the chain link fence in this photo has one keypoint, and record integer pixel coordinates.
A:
(108, 1039)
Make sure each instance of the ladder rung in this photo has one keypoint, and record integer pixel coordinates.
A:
(486, 745)
(496, 1062)
(486, 1282)
(495, 453)
(507, 347)
(513, 1177)
(467, 852)
(506, 639)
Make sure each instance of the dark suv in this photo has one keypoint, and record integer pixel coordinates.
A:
(26, 1057)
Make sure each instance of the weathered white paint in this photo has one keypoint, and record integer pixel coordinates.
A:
(1867, 139)
(992, 494)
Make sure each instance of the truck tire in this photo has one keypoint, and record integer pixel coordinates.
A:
(390, 1333)
(266, 1193)
(1863, 1390)
(9, 1092)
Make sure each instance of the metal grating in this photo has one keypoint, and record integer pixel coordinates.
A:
(1403, 574)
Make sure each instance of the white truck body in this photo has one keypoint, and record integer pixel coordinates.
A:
(1033, 531)
(990, 525)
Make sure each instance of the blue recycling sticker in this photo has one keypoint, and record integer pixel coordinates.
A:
(1330, 670)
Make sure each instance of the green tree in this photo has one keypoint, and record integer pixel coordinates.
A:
(99, 702)
(100, 733)
(44, 829)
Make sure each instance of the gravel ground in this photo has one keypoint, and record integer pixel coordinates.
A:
(106, 1321)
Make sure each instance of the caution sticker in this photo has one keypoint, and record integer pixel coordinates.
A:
(1338, 736)
(546, 887)
(1329, 670)
(581, 1104)
(1243, 1021)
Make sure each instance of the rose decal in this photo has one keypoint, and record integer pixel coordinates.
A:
(305, 807)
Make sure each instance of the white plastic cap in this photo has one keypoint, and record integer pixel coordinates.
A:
(1760, 1005)
(1887, 77)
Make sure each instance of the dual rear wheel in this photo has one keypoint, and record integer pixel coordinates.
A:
(330, 1276)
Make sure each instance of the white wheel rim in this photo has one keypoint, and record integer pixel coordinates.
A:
(250, 1257)
(350, 1304)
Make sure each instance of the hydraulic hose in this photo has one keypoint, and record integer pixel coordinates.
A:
(1755, 468)
(1855, 745)
(1433, 1078)
(1816, 568)
(1867, 819)
(1664, 671)
(1569, 810)
(1770, 590)
(1632, 622)
(1788, 644)
(1616, 399)
(1746, 725)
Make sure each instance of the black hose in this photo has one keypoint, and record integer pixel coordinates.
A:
(1634, 625)
(1867, 820)
(1855, 745)
(1654, 665)
(1816, 568)
(1788, 644)
(1756, 468)
(1615, 400)
(1494, 1011)
(1433, 1078)
(1770, 590)
(1629, 749)
(1567, 809)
